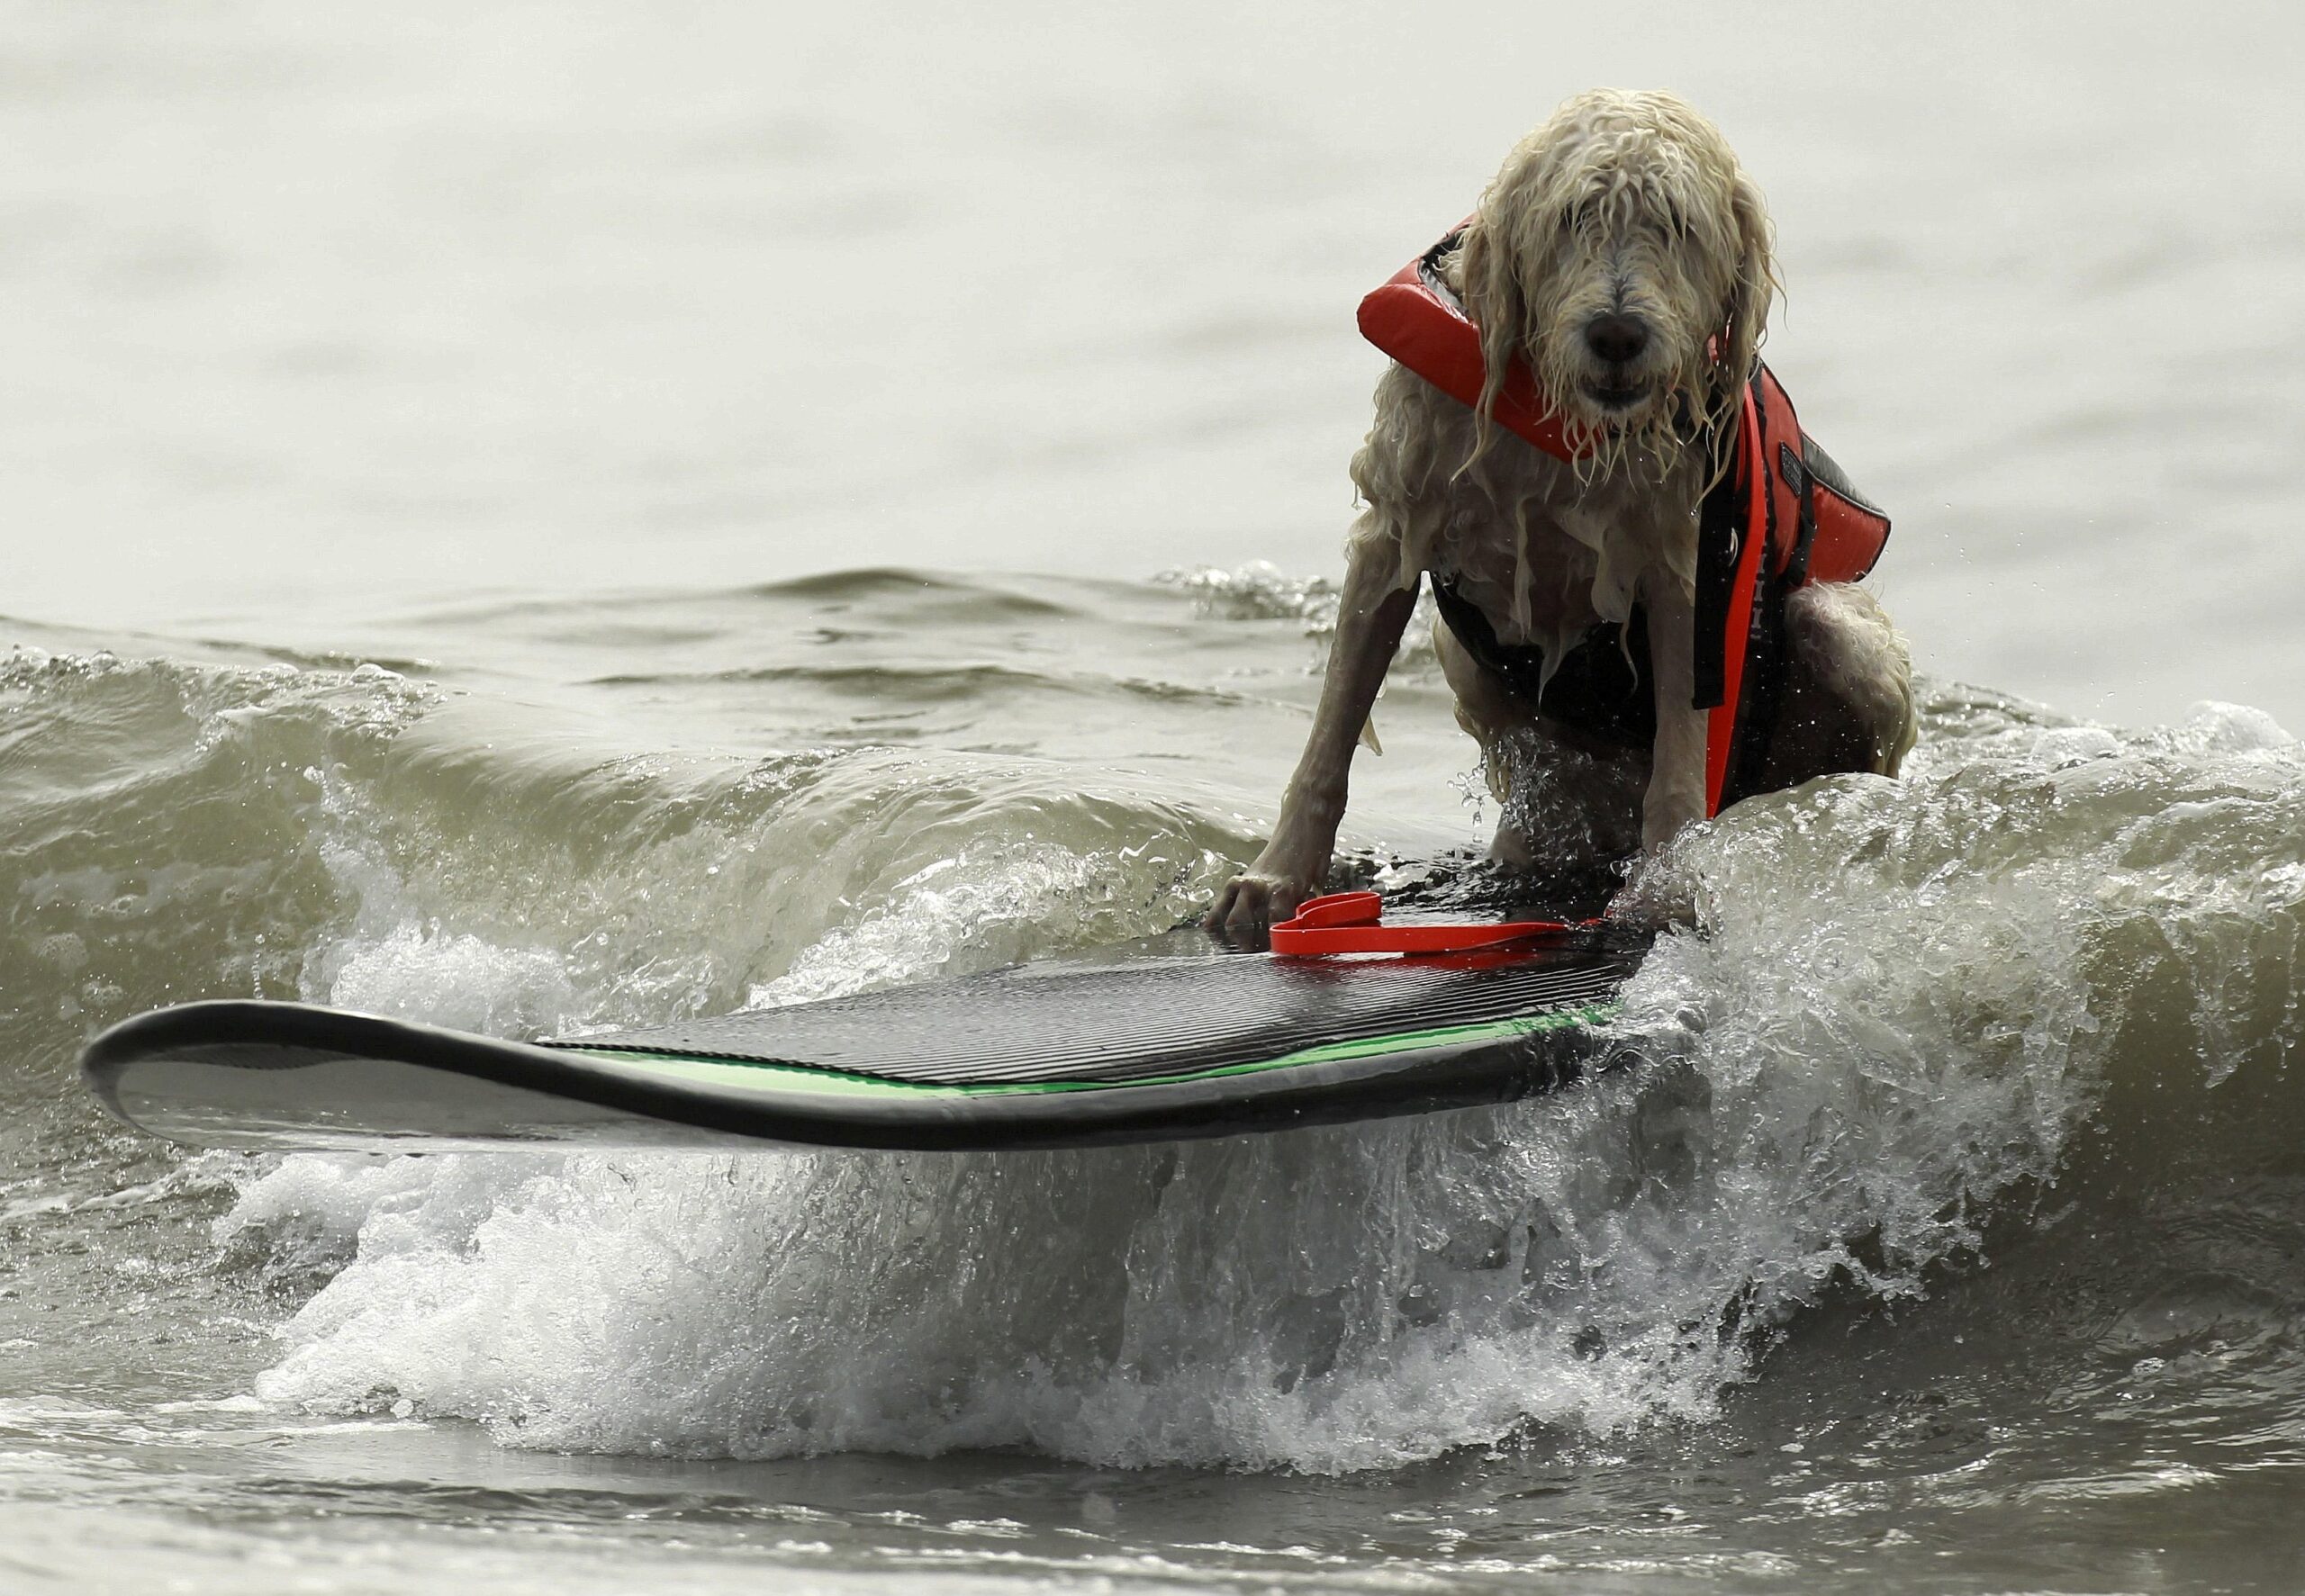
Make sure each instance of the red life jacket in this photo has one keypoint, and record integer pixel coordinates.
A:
(1813, 526)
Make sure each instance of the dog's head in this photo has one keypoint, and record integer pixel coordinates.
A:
(1622, 252)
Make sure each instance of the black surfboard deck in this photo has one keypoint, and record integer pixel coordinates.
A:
(1125, 1047)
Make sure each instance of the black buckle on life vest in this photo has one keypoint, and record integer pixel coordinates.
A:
(1428, 265)
(1795, 472)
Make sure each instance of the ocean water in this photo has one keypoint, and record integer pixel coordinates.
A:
(535, 517)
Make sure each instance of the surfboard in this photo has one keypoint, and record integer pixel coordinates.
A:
(1128, 1045)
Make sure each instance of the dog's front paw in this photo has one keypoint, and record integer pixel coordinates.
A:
(1244, 912)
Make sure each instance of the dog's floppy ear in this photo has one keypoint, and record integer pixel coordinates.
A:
(1744, 320)
(1498, 309)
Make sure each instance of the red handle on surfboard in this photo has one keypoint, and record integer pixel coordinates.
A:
(1354, 922)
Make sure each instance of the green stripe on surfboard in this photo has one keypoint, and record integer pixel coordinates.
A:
(749, 1073)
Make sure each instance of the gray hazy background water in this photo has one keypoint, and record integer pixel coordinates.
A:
(314, 312)
(534, 351)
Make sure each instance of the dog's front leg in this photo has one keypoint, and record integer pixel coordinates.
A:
(1675, 795)
(1371, 615)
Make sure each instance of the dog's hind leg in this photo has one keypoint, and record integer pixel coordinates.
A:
(1847, 702)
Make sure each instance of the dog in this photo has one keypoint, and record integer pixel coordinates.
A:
(1623, 255)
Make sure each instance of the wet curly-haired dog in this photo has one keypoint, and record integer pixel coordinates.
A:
(1625, 255)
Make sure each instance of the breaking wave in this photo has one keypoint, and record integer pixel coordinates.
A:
(1913, 1024)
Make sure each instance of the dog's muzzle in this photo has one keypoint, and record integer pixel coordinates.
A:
(1617, 340)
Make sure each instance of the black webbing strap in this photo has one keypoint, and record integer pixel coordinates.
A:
(1717, 544)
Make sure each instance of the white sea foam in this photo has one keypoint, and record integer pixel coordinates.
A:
(1894, 1021)
(998, 912)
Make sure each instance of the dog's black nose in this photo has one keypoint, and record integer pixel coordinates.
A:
(1616, 338)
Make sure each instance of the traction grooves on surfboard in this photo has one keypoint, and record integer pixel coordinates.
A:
(1049, 1024)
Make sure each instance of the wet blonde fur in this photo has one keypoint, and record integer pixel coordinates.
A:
(1623, 255)
(1624, 202)
(1631, 202)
